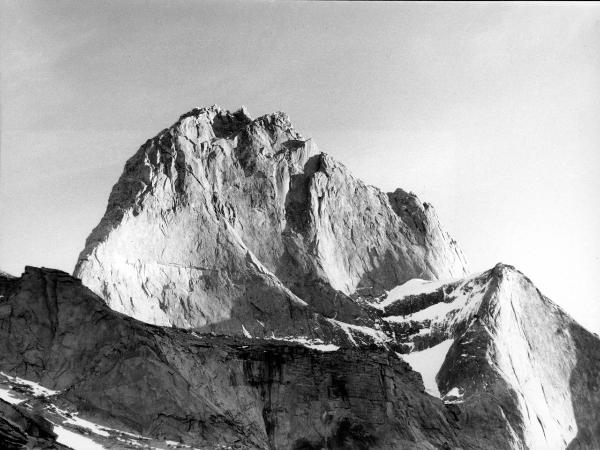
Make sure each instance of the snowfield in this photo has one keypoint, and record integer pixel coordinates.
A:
(428, 363)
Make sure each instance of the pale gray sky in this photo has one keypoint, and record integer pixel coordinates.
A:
(489, 111)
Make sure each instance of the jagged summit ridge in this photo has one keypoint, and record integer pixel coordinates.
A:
(221, 212)
(225, 123)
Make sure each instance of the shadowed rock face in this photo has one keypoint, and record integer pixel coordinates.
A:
(223, 220)
(206, 390)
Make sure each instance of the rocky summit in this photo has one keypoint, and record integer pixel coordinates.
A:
(225, 221)
(243, 290)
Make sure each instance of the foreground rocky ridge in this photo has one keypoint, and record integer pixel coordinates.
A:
(209, 391)
(222, 221)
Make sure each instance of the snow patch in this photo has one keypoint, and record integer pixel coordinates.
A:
(379, 337)
(415, 286)
(315, 344)
(454, 395)
(323, 347)
(437, 310)
(418, 286)
(428, 363)
(465, 301)
(454, 392)
(74, 440)
(73, 419)
(94, 428)
(37, 389)
(246, 333)
(176, 444)
(8, 396)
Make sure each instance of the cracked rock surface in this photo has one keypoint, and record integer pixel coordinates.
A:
(221, 221)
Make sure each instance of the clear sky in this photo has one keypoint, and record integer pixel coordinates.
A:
(489, 111)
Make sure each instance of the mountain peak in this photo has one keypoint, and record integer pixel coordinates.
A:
(220, 199)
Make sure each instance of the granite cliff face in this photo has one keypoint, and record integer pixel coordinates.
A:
(227, 221)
